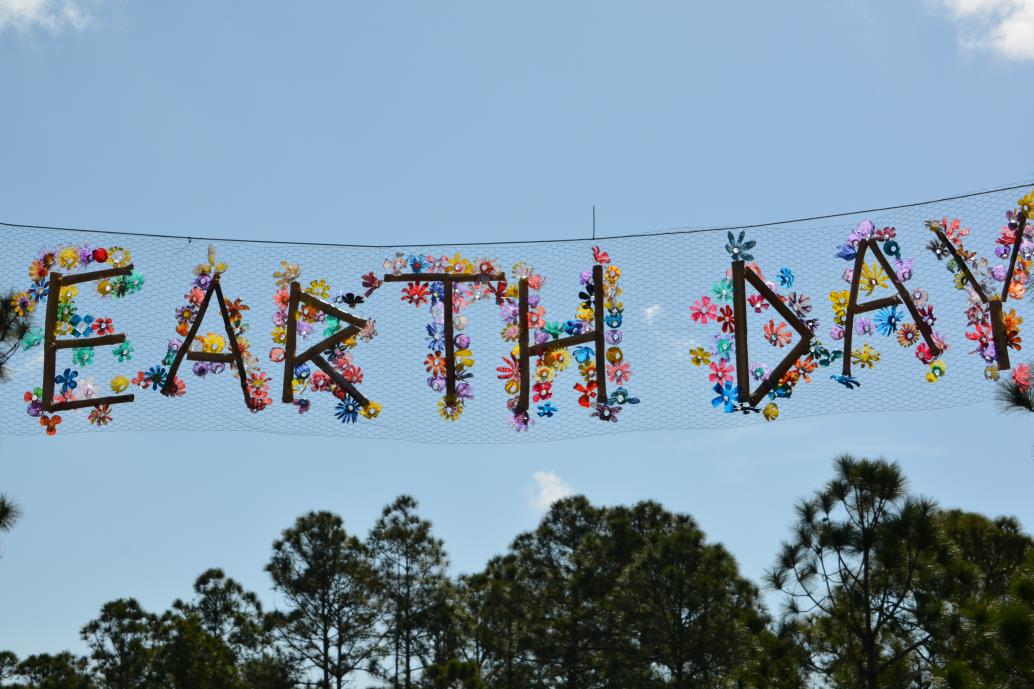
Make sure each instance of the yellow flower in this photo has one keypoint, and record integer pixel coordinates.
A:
(350, 342)
(464, 358)
(512, 386)
(559, 359)
(584, 314)
(319, 288)
(612, 274)
(839, 300)
(872, 277)
(960, 280)
(68, 257)
(450, 412)
(298, 385)
(104, 288)
(458, 264)
(289, 273)
(698, 356)
(770, 412)
(866, 357)
(1027, 204)
(22, 304)
(213, 267)
(213, 343)
(119, 257)
(937, 370)
(280, 334)
(544, 374)
(991, 373)
(68, 293)
(119, 384)
(371, 411)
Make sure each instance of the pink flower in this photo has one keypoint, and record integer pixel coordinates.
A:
(1021, 375)
(721, 371)
(619, 373)
(703, 310)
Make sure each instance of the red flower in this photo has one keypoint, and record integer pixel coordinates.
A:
(415, 293)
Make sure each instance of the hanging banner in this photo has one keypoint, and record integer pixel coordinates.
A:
(916, 307)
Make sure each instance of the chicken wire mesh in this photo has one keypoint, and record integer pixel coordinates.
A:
(662, 276)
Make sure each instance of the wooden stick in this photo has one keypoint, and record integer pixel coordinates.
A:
(90, 341)
(50, 340)
(525, 353)
(170, 382)
(217, 357)
(779, 371)
(998, 334)
(1017, 240)
(291, 336)
(582, 338)
(94, 402)
(242, 372)
(739, 301)
(963, 265)
(326, 343)
(601, 360)
(852, 300)
(96, 275)
(802, 346)
(307, 298)
(444, 277)
(997, 327)
(450, 346)
(340, 380)
(906, 298)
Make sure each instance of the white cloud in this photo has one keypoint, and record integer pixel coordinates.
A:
(1002, 26)
(52, 15)
(550, 489)
(651, 312)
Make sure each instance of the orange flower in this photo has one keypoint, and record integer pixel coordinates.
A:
(435, 364)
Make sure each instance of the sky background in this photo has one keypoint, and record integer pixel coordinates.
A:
(467, 121)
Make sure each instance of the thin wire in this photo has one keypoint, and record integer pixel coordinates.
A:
(663, 233)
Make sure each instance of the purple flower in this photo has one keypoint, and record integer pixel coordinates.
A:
(464, 391)
(837, 332)
(462, 341)
(541, 337)
(614, 337)
(436, 383)
(998, 273)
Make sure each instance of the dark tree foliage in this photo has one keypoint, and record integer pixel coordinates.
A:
(10, 513)
(13, 328)
(851, 572)
(411, 573)
(885, 591)
(326, 580)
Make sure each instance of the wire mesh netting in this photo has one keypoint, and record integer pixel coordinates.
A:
(662, 276)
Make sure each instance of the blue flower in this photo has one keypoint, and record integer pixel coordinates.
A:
(347, 410)
(435, 337)
(583, 354)
(156, 376)
(727, 397)
(785, 276)
(621, 396)
(887, 320)
(39, 290)
(67, 380)
(547, 409)
(738, 248)
(613, 320)
(849, 382)
(573, 327)
(846, 252)
(302, 371)
(437, 291)
(892, 248)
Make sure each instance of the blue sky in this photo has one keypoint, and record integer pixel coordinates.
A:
(391, 122)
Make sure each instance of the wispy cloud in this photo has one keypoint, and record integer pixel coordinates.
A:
(50, 15)
(651, 312)
(1005, 27)
(549, 488)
